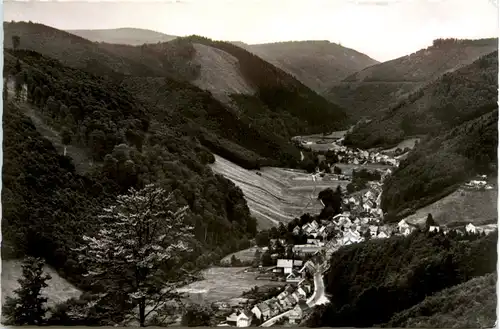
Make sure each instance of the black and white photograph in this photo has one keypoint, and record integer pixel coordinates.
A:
(250, 163)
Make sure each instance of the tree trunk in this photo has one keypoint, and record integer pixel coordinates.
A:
(142, 312)
(64, 150)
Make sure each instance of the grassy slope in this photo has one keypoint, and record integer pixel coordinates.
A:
(318, 64)
(377, 87)
(466, 206)
(448, 101)
(58, 289)
(127, 36)
(278, 195)
(469, 305)
(438, 165)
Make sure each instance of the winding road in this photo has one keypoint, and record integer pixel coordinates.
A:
(318, 297)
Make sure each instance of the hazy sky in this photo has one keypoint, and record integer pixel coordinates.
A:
(381, 29)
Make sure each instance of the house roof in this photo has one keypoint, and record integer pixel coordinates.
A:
(303, 305)
(246, 314)
(285, 263)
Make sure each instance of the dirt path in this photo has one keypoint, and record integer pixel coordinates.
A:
(80, 157)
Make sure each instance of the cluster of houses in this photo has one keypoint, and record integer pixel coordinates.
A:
(291, 300)
(479, 184)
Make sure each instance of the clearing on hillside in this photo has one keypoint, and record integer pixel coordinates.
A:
(276, 195)
(463, 205)
(58, 290)
(219, 72)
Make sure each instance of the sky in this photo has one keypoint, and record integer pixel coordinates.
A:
(383, 30)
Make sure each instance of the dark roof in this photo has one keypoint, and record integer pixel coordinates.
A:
(303, 305)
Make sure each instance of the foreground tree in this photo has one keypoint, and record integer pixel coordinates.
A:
(28, 307)
(141, 233)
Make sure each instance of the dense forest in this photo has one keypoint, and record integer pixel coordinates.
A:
(254, 131)
(471, 304)
(438, 164)
(370, 92)
(368, 283)
(454, 98)
(44, 198)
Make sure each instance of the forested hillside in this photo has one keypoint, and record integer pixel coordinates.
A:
(438, 164)
(251, 128)
(451, 100)
(368, 283)
(381, 86)
(45, 199)
(471, 304)
(318, 64)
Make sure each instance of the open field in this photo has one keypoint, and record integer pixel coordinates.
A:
(326, 142)
(223, 284)
(462, 205)
(58, 289)
(278, 194)
(245, 255)
(348, 168)
(410, 143)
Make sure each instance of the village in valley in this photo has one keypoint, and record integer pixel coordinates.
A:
(298, 253)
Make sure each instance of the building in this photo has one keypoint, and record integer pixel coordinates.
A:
(261, 311)
(286, 265)
(470, 228)
(297, 313)
(244, 319)
(305, 249)
(294, 277)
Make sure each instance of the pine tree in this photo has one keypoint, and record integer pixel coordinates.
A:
(141, 233)
(28, 307)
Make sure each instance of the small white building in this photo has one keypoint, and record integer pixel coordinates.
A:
(469, 228)
(434, 229)
(244, 319)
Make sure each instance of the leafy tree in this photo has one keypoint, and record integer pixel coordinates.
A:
(262, 238)
(28, 307)
(196, 316)
(16, 41)
(257, 256)
(337, 170)
(140, 233)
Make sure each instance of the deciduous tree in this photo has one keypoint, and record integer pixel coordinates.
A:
(142, 232)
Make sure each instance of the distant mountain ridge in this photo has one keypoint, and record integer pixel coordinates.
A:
(319, 64)
(125, 35)
(374, 89)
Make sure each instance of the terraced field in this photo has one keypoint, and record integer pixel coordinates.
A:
(277, 194)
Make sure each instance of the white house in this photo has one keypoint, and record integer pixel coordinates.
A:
(434, 229)
(261, 311)
(286, 265)
(244, 319)
(404, 228)
(470, 228)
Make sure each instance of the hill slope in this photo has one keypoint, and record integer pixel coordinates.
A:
(318, 64)
(448, 101)
(370, 282)
(469, 305)
(126, 36)
(439, 164)
(375, 88)
(47, 206)
(254, 113)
